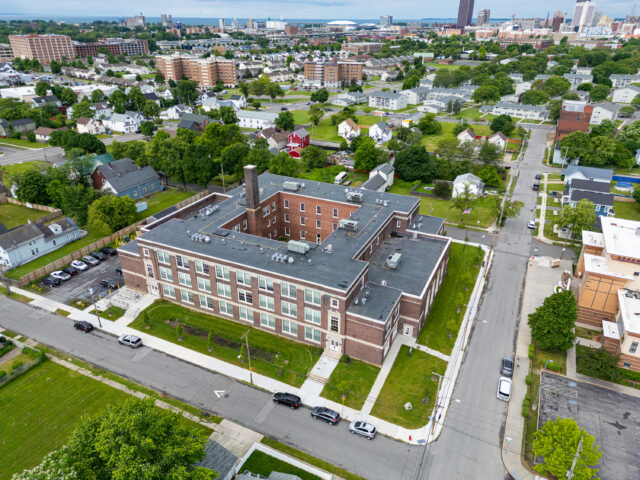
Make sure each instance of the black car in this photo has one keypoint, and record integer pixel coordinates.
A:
(330, 416)
(98, 256)
(506, 366)
(283, 109)
(70, 270)
(538, 176)
(119, 271)
(109, 283)
(289, 399)
(86, 327)
(50, 282)
(110, 251)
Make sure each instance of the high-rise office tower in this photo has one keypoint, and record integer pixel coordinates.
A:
(235, 25)
(583, 14)
(558, 19)
(484, 16)
(221, 24)
(465, 13)
(386, 21)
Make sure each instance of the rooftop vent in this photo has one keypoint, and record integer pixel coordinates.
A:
(355, 196)
(350, 225)
(393, 260)
(298, 247)
(292, 186)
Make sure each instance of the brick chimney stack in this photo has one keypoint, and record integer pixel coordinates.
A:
(252, 194)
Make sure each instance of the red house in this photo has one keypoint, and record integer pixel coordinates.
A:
(575, 116)
(298, 139)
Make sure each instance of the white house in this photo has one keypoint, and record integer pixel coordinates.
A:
(380, 132)
(431, 108)
(175, 112)
(466, 136)
(128, 122)
(348, 129)
(380, 178)
(102, 109)
(416, 96)
(577, 79)
(518, 110)
(256, 120)
(89, 125)
(578, 172)
(625, 94)
(604, 111)
(622, 80)
(239, 101)
(475, 185)
(387, 100)
(498, 139)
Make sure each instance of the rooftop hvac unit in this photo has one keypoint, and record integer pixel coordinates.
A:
(393, 260)
(292, 186)
(298, 247)
(351, 225)
(355, 196)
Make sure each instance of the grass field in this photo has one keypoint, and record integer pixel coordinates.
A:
(262, 464)
(470, 114)
(410, 380)
(271, 355)
(431, 141)
(161, 200)
(627, 210)
(14, 215)
(19, 142)
(443, 66)
(443, 322)
(480, 215)
(9, 172)
(112, 313)
(354, 380)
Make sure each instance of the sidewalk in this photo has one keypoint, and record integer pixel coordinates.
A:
(539, 284)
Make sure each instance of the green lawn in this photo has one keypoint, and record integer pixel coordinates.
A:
(554, 187)
(554, 176)
(262, 464)
(627, 210)
(470, 114)
(9, 172)
(431, 141)
(557, 359)
(111, 313)
(410, 380)
(271, 355)
(19, 142)
(325, 131)
(401, 187)
(480, 215)
(14, 215)
(354, 380)
(161, 200)
(301, 117)
(443, 322)
(443, 66)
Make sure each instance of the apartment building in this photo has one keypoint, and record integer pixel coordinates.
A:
(6, 54)
(44, 48)
(115, 46)
(206, 72)
(357, 48)
(333, 74)
(609, 287)
(359, 266)
(387, 100)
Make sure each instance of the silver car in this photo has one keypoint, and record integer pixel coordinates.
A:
(78, 265)
(89, 260)
(363, 428)
(60, 275)
(130, 340)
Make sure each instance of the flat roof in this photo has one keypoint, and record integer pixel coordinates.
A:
(592, 239)
(621, 237)
(375, 302)
(596, 264)
(629, 310)
(333, 267)
(426, 224)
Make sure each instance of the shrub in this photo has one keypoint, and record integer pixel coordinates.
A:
(30, 352)
(16, 365)
(532, 350)
(179, 330)
(527, 398)
(2, 373)
(528, 380)
(345, 359)
(525, 411)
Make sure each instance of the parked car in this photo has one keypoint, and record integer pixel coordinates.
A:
(130, 340)
(283, 109)
(506, 366)
(109, 251)
(79, 265)
(50, 282)
(536, 186)
(60, 275)
(289, 399)
(538, 176)
(504, 389)
(101, 257)
(330, 416)
(119, 271)
(70, 270)
(109, 283)
(363, 428)
(90, 261)
(86, 327)
(531, 225)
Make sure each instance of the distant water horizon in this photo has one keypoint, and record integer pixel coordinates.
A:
(214, 21)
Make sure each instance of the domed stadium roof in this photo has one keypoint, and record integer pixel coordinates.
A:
(342, 22)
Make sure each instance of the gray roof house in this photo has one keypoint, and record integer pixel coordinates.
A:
(27, 242)
(21, 125)
(219, 459)
(380, 178)
(587, 173)
(597, 193)
(123, 177)
(476, 186)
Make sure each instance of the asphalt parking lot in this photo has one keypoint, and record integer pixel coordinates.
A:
(78, 286)
(612, 418)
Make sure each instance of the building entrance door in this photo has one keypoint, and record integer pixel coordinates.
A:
(408, 330)
(334, 345)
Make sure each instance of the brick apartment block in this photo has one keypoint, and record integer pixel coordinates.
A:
(206, 72)
(44, 48)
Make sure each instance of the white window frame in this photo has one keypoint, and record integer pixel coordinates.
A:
(289, 309)
(265, 284)
(182, 262)
(310, 334)
(302, 206)
(245, 314)
(189, 296)
(243, 278)
(166, 274)
(202, 267)
(222, 272)
(245, 296)
(184, 279)
(289, 327)
(286, 218)
(335, 303)
(266, 302)
(267, 321)
(145, 252)
(225, 308)
(318, 210)
(223, 290)
(303, 234)
(287, 232)
(313, 316)
(336, 319)
(168, 290)
(313, 297)
(204, 284)
(206, 302)
(163, 257)
(288, 290)
(335, 213)
(303, 221)
(286, 203)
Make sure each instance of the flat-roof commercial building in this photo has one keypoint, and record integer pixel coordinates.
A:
(44, 48)
(359, 266)
(115, 46)
(206, 72)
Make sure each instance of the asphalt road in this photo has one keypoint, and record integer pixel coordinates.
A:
(381, 458)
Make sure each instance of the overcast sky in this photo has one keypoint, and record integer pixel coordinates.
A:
(329, 9)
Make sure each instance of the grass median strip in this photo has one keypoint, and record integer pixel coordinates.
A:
(262, 464)
(273, 356)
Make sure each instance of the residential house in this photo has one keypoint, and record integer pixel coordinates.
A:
(123, 177)
(350, 98)
(575, 116)
(467, 135)
(256, 119)
(194, 122)
(128, 122)
(380, 132)
(499, 139)
(604, 111)
(517, 110)
(220, 460)
(625, 94)
(573, 172)
(238, 101)
(470, 181)
(432, 107)
(416, 96)
(387, 100)
(522, 87)
(214, 103)
(380, 178)
(619, 80)
(89, 125)
(46, 100)
(276, 139)
(298, 139)
(22, 125)
(102, 109)
(175, 112)
(596, 192)
(152, 96)
(43, 134)
(463, 94)
(349, 129)
(577, 79)
(25, 243)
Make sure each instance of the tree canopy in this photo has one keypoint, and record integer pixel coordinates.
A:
(552, 324)
(415, 163)
(110, 213)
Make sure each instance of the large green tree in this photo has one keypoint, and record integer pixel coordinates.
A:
(534, 97)
(502, 123)
(367, 156)
(314, 157)
(557, 443)
(556, 86)
(485, 94)
(41, 88)
(283, 164)
(285, 121)
(415, 163)
(428, 125)
(578, 218)
(552, 324)
(109, 214)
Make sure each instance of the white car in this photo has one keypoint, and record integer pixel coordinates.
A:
(60, 275)
(531, 224)
(504, 389)
(78, 265)
(363, 428)
(130, 340)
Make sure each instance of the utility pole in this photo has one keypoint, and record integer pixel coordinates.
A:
(4, 279)
(222, 170)
(246, 339)
(435, 410)
(95, 309)
(575, 460)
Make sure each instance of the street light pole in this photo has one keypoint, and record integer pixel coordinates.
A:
(4, 279)
(95, 308)
(246, 339)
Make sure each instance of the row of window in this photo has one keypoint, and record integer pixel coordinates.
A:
(303, 208)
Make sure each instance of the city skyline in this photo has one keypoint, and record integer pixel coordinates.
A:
(315, 9)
